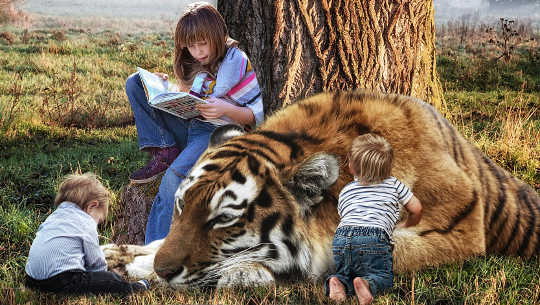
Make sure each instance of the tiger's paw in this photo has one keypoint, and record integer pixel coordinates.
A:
(117, 257)
(132, 261)
(142, 267)
(247, 276)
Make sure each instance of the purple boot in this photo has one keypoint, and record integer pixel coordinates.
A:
(161, 159)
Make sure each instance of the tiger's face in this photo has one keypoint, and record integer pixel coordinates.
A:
(235, 208)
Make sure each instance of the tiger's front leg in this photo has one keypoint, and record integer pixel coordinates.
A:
(246, 275)
(132, 261)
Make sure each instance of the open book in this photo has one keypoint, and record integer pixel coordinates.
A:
(180, 104)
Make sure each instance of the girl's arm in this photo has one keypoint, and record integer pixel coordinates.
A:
(219, 107)
(231, 73)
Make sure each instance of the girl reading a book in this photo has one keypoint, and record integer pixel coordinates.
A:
(208, 64)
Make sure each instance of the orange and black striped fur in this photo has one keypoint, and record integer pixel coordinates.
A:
(263, 204)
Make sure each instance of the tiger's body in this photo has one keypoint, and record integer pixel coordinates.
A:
(262, 206)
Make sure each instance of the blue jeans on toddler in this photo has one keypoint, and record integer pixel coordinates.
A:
(156, 128)
(363, 252)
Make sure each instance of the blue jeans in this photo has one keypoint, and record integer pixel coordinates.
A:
(363, 252)
(156, 128)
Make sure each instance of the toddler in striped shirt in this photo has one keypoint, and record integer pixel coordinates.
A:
(65, 256)
(369, 209)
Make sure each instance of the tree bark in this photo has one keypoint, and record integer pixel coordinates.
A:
(302, 47)
(133, 210)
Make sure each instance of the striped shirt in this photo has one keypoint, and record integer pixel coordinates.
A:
(376, 205)
(235, 82)
(66, 240)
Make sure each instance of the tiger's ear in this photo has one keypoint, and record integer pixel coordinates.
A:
(312, 178)
(224, 133)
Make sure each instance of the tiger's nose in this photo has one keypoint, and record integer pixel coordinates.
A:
(168, 273)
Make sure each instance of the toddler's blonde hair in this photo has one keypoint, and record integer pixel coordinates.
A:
(371, 158)
(81, 189)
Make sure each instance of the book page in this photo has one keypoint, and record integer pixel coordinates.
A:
(180, 104)
(153, 84)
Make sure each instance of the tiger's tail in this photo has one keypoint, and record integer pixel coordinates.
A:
(512, 213)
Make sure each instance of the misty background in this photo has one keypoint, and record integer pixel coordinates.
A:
(100, 15)
(488, 10)
(161, 15)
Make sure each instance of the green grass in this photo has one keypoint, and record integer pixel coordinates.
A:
(495, 105)
(95, 67)
(478, 74)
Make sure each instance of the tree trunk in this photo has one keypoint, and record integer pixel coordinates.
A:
(301, 47)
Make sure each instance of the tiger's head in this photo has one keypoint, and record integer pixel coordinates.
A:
(244, 204)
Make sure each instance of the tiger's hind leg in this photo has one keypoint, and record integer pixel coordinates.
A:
(434, 244)
(452, 224)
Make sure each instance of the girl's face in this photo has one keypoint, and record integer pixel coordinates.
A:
(200, 50)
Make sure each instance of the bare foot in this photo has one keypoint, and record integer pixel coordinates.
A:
(361, 287)
(337, 291)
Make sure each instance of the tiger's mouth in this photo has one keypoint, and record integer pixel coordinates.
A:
(203, 281)
(224, 271)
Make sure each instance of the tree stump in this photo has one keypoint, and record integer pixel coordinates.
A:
(133, 210)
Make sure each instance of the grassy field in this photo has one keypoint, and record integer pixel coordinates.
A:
(63, 108)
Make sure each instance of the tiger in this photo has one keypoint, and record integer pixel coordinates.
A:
(260, 207)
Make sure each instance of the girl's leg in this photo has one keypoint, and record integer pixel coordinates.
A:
(153, 129)
(160, 217)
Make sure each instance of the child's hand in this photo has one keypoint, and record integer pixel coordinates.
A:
(215, 109)
(163, 76)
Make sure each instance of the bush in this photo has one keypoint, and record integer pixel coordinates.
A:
(63, 106)
(8, 12)
(10, 110)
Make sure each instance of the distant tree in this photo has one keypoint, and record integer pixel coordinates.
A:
(300, 47)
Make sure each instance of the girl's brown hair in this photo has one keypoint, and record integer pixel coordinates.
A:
(200, 21)
(81, 189)
(371, 158)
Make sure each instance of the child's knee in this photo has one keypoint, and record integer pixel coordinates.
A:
(133, 81)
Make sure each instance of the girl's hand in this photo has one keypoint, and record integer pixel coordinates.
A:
(215, 108)
(163, 76)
